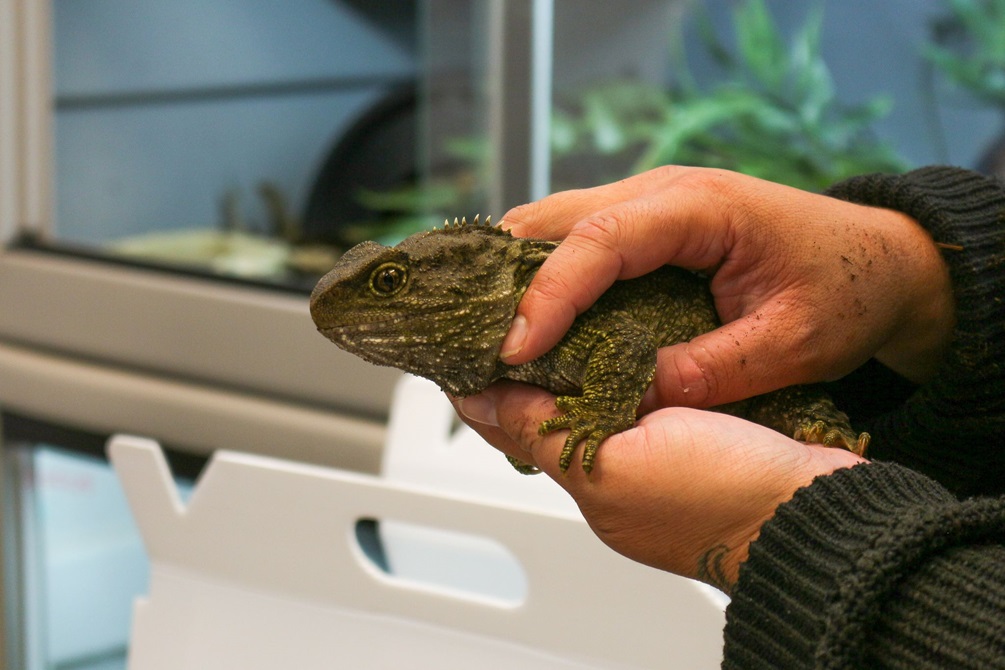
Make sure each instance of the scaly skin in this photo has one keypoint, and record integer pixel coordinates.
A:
(439, 304)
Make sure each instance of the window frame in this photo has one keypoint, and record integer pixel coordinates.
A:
(107, 348)
(194, 362)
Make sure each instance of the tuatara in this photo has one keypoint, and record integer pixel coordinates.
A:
(439, 304)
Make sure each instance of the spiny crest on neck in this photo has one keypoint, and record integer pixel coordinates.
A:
(462, 226)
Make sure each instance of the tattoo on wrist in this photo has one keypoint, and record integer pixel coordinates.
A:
(711, 569)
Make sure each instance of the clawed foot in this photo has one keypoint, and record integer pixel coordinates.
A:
(587, 422)
(523, 468)
(819, 432)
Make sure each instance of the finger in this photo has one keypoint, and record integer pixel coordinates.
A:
(725, 365)
(770, 348)
(552, 217)
(507, 415)
(684, 227)
(498, 438)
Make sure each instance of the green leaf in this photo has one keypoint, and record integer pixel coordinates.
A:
(977, 61)
(472, 148)
(563, 132)
(605, 128)
(813, 88)
(706, 31)
(690, 119)
(410, 198)
(760, 45)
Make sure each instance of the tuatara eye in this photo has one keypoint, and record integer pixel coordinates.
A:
(388, 279)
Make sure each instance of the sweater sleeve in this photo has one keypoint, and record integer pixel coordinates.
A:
(876, 566)
(952, 428)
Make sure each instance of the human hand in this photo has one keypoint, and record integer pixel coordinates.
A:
(808, 287)
(684, 490)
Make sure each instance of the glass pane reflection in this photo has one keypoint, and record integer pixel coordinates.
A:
(260, 138)
(89, 563)
(191, 133)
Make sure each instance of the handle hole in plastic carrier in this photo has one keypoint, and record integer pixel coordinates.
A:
(464, 565)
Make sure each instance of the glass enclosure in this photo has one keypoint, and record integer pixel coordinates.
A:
(81, 560)
(195, 134)
(258, 139)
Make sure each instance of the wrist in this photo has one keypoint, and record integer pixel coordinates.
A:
(919, 342)
(720, 565)
(837, 547)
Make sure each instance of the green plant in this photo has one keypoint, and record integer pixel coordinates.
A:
(970, 47)
(401, 211)
(774, 114)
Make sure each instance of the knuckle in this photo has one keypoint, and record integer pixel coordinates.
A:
(549, 218)
(700, 374)
(527, 436)
(577, 272)
(521, 220)
(806, 346)
(690, 379)
(521, 412)
(605, 240)
(715, 182)
(552, 297)
(599, 232)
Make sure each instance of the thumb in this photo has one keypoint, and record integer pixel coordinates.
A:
(750, 356)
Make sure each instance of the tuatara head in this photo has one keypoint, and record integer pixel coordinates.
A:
(437, 305)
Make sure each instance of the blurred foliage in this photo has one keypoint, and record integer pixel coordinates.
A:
(969, 47)
(773, 114)
(412, 208)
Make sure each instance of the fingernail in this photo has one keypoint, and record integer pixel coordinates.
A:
(479, 408)
(515, 339)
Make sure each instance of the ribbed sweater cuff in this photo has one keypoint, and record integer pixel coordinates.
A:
(965, 402)
(817, 579)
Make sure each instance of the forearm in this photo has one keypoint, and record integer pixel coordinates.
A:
(879, 566)
(945, 427)
(875, 566)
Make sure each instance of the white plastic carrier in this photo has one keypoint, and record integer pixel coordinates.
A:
(477, 566)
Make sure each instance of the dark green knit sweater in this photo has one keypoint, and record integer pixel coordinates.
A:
(901, 563)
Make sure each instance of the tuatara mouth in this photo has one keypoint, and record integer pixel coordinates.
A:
(387, 325)
(390, 321)
(356, 336)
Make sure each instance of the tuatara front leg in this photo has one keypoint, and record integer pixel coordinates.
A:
(619, 369)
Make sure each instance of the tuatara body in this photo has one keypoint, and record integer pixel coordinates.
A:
(439, 304)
